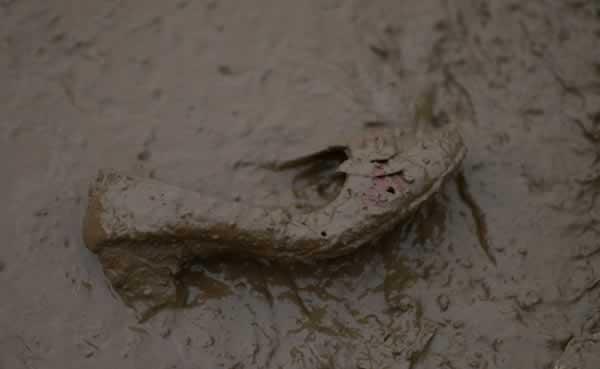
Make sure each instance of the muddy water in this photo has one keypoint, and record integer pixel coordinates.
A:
(500, 270)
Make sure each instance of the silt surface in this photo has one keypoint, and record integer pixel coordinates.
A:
(501, 269)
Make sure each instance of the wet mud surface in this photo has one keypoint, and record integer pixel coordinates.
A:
(499, 270)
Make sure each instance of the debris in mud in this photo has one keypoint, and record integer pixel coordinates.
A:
(380, 52)
(582, 350)
(405, 340)
(403, 303)
(578, 278)
(413, 353)
(41, 213)
(225, 70)
(145, 232)
(144, 155)
(527, 299)
(443, 302)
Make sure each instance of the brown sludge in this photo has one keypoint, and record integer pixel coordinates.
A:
(146, 232)
(499, 270)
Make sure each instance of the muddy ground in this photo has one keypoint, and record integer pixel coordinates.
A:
(500, 270)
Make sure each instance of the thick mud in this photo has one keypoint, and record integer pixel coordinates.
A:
(500, 270)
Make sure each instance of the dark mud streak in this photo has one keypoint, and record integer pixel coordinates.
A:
(592, 136)
(450, 80)
(546, 62)
(424, 109)
(477, 214)
(333, 153)
(590, 187)
(295, 291)
(586, 291)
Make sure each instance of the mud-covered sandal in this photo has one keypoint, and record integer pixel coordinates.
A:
(145, 231)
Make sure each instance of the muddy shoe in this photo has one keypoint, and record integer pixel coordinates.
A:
(145, 231)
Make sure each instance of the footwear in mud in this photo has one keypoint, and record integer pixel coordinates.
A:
(146, 232)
